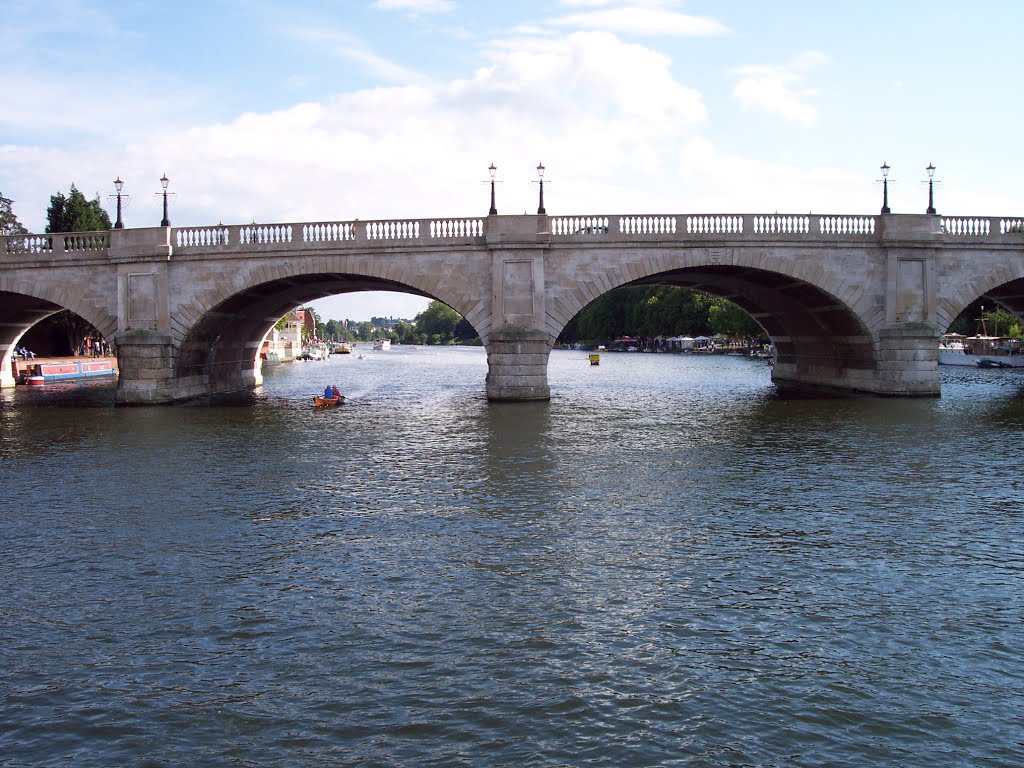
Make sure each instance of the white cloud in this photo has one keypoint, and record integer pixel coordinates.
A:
(616, 130)
(602, 115)
(416, 6)
(656, 19)
(775, 89)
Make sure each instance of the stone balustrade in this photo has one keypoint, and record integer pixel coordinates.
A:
(618, 229)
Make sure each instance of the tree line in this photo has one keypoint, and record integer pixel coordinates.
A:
(436, 325)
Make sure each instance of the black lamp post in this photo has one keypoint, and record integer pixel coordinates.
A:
(493, 170)
(540, 174)
(118, 184)
(164, 181)
(931, 196)
(885, 188)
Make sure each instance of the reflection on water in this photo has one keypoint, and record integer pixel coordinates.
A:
(668, 563)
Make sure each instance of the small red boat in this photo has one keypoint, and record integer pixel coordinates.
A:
(327, 402)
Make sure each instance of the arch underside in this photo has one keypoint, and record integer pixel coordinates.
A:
(223, 345)
(811, 329)
(1008, 295)
(19, 312)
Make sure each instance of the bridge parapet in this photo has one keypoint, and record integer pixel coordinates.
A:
(753, 226)
(246, 238)
(56, 244)
(160, 242)
(982, 226)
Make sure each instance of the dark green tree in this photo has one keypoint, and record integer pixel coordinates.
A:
(658, 311)
(9, 224)
(75, 214)
(725, 317)
(437, 322)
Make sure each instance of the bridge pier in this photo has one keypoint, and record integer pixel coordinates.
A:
(909, 367)
(146, 363)
(7, 367)
(517, 364)
(907, 357)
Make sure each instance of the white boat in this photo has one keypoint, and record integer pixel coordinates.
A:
(981, 351)
(382, 344)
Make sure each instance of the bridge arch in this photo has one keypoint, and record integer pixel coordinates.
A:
(824, 332)
(1006, 289)
(23, 304)
(219, 350)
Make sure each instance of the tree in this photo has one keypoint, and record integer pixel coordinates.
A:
(75, 214)
(725, 317)
(9, 224)
(437, 321)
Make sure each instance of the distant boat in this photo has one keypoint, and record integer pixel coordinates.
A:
(380, 344)
(342, 348)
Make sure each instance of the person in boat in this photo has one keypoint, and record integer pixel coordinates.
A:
(328, 392)
(334, 392)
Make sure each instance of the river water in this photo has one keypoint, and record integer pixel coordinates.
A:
(666, 564)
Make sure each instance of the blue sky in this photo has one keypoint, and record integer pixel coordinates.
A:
(335, 110)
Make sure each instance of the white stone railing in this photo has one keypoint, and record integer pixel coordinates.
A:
(988, 227)
(201, 237)
(677, 228)
(1011, 226)
(72, 242)
(647, 225)
(966, 227)
(782, 225)
(16, 245)
(328, 232)
(457, 228)
(746, 225)
(714, 225)
(579, 225)
(846, 225)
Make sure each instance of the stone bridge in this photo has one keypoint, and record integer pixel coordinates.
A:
(851, 303)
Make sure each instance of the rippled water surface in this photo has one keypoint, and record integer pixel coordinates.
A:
(667, 564)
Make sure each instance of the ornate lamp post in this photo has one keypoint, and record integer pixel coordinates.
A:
(540, 175)
(118, 184)
(164, 181)
(885, 188)
(493, 170)
(931, 196)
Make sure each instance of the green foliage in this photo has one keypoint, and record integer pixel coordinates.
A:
(438, 321)
(73, 327)
(997, 321)
(658, 311)
(9, 224)
(437, 324)
(633, 311)
(75, 214)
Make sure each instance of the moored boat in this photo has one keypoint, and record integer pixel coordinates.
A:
(981, 351)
